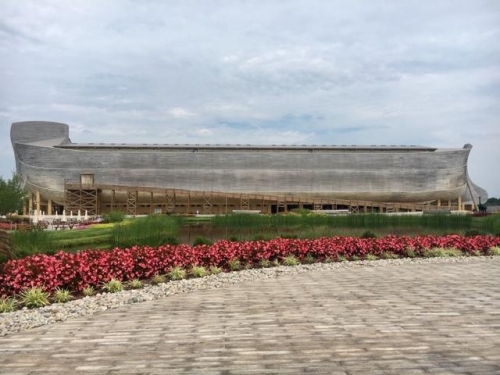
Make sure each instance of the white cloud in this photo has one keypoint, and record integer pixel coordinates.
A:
(181, 113)
(302, 71)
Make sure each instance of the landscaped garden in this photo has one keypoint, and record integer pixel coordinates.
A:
(146, 251)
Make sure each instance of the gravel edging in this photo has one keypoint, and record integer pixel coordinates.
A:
(25, 319)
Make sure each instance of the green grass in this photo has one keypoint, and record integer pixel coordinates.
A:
(365, 221)
(32, 242)
(154, 230)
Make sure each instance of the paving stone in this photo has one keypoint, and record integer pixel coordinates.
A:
(441, 318)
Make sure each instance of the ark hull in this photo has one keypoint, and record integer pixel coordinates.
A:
(47, 159)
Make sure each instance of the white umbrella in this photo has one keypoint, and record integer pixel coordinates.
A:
(86, 217)
(35, 217)
(79, 217)
(64, 216)
(71, 214)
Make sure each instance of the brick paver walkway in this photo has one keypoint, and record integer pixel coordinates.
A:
(412, 319)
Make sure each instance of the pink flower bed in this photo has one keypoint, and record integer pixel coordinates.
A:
(94, 267)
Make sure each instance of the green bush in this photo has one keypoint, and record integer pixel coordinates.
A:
(409, 252)
(198, 271)
(472, 233)
(7, 304)
(234, 264)
(341, 258)
(202, 241)
(113, 286)
(34, 297)
(309, 259)
(368, 234)
(495, 251)
(114, 217)
(62, 295)
(88, 291)
(214, 270)
(135, 284)
(388, 255)
(442, 252)
(265, 263)
(177, 273)
(158, 279)
(290, 260)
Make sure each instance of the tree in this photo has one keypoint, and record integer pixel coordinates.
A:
(493, 202)
(12, 194)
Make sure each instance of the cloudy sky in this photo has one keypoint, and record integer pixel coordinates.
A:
(257, 71)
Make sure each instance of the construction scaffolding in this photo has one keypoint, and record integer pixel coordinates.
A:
(99, 198)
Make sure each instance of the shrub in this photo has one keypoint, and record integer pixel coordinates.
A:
(409, 252)
(135, 284)
(113, 286)
(442, 252)
(114, 217)
(34, 297)
(177, 273)
(472, 233)
(234, 264)
(309, 259)
(61, 295)
(7, 304)
(88, 291)
(371, 257)
(158, 279)
(354, 258)
(265, 263)
(290, 260)
(453, 252)
(198, 271)
(202, 241)
(341, 258)
(170, 240)
(388, 255)
(494, 251)
(368, 234)
(214, 270)
(434, 252)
